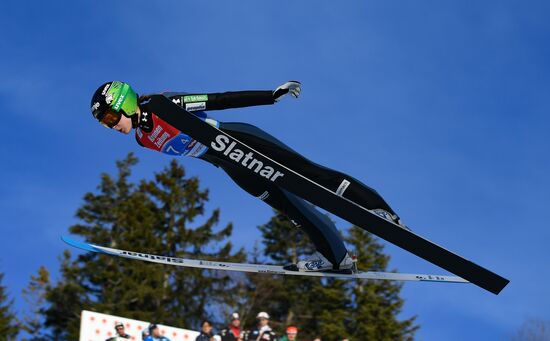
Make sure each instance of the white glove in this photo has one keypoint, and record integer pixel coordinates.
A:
(292, 87)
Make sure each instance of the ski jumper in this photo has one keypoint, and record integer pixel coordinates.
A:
(158, 135)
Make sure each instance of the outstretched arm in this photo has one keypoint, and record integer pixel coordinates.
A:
(233, 99)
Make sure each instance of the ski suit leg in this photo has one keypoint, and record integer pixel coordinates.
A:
(258, 139)
(320, 229)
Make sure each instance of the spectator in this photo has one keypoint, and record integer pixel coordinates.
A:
(233, 331)
(154, 334)
(262, 331)
(291, 333)
(144, 334)
(317, 339)
(206, 332)
(120, 333)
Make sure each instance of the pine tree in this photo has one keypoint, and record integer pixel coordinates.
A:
(330, 308)
(376, 303)
(192, 291)
(292, 300)
(8, 324)
(35, 297)
(283, 244)
(162, 216)
(64, 302)
(532, 329)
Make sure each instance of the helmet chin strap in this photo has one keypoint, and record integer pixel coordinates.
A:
(135, 121)
(136, 115)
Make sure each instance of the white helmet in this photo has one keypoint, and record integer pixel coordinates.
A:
(263, 315)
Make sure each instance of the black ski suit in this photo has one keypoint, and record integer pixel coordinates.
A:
(156, 134)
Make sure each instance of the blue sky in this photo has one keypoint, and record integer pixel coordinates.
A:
(440, 106)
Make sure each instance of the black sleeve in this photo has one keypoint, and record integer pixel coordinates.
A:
(222, 100)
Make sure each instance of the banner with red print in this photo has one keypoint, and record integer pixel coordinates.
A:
(99, 327)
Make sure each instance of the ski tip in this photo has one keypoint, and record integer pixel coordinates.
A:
(79, 245)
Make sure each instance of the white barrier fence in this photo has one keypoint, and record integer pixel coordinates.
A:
(99, 327)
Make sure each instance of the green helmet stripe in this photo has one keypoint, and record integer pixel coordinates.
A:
(121, 96)
(130, 103)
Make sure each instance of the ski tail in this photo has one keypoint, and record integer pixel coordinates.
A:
(444, 258)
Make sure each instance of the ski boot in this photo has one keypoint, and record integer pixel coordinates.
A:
(318, 262)
(389, 217)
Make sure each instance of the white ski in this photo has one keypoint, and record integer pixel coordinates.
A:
(257, 268)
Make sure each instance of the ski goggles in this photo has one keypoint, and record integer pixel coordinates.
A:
(110, 118)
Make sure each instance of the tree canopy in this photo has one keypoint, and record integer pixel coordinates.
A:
(9, 327)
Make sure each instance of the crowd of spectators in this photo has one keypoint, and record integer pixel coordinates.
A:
(232, 332)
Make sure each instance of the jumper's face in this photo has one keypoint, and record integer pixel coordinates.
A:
(124, 125)
(263, 322)
(206, 328)
(120, 330)
(155, 332)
